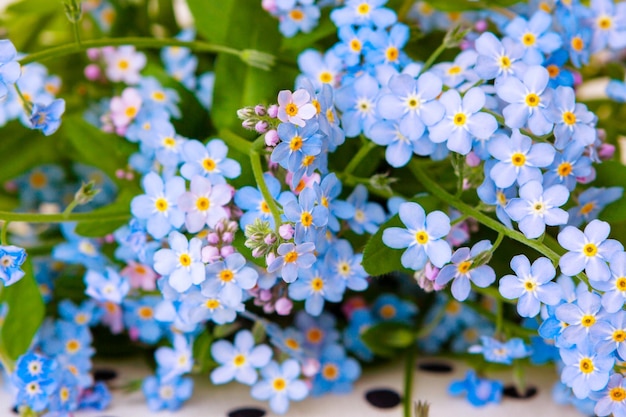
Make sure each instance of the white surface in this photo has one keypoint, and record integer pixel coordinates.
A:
(217, 401)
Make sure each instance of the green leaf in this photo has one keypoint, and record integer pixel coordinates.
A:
(203, 362)
(378, 258)
(211, 18)
(462, 5)
(611, 174)
(26, 312)
(224, 330)
(94, 147)
(99, 228)
(385, 339)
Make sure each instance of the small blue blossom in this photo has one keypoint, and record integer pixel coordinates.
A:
(389, 307)
(239, 360)
(359, 321)
(338, 372)
(422, 237)
(316, 285)
(351, 45)
(610, 334)
(279, 385)
(568, 166)
(610, 400)
(608, 25)
(88, 313)
(310, 218)
(11, 260)
(34, 381)
(233, 276)
(47, 118)
(208, 160)
(614, 296)
(251, 201)
(479, 391)
(343, 263)
(292, 259)
(106, 285)
(166, 395)
(534, 36)
(367, 215)
(559, 75)
(401, 142)
(139, 319)
(580, 317)
(585, 370)
(572, 120)
(328, 191)
(363, 13)
(455, 73)
(204, 203)
(174, 361)
(501, 352)
(299, 19)
(498, 59)
(591, 202)
(9, 67)
(320, 69)
(357, 102)
(181, 263)
(296, 144)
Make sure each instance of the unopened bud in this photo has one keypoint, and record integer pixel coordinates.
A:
(73, 10)
(283, 306)
(86, 193)
(261, 127)
(272, 111)
(286, 231)
(271, 138)
(260, 110)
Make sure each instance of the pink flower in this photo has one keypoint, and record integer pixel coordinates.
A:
(140, 276)
(125, 108)
(295, 108)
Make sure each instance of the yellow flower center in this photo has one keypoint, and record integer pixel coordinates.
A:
(226, 275)
(158, 96)
(145, 313)
(518, 159)
(306, 219)
(330, 371)
(291, 109)
(590, 249)
(587, 208)
(279, 384)
(265, 208)
(605, 22)
(184, 259)
(387, 311)
(577, 43)
(587, 320)
(64, 394)
(618, 335)
(553, 70)
(620, 284)
(295, 144)
(586, 366)
(617, 394)
(363, 9)
(564, 169)
(72, 346)
(356, 45)
(208, 164)
(239, 360)
(38, 180)
(505, 62)
(532, 100)
(296, 14)
(130, 112)
(569, 118)
(326, 77)
(212, 304)
(308, 160)
(123, 64)
(292, 343)
(317, 284)
(459, 119)
(529, 39)
(291, 257)
(454, 70)
(529, 285)
(314, 335)
(464, 266)
(392, 54)
(421, 237)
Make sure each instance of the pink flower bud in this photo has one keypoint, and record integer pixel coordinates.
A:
(272, 111)
(129, 176)
(472, 160)
(265, 295)
(283, 306)
(353, 304)
(269, 239)
(257, 252)
(109, 238)
(606, 151)
(310, 367)
(93, 53)
(271, 138)
(286, 231)
(120, 173)
(261, 127)
(268, 308)
(481, 26)
(228, 237)
(213, 238)
(260, 110)
(589, 178)
(227, 250)
(92, 72)
(578, 78)
(210, 254)
(248, 124)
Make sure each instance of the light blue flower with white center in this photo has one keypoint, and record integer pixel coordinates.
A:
(337, 373)
(9, 67)
(309, 216)
(572, 120)
(421, 236)
(529, 100)
(518, 159)
(537, 208)
(491, 194)
(614, 296)
(11, 260)
(106, 285)
(174, 361)
(357, 102)
(32, 366)
(204, 203)
(534, 35)
(610, 334)
(386, 47)
(589, 250)
(208, 160)
(279, 385)
(320, 69)
(296, 143)
(351, 45)
(316, 285)
(580, 317)
(88, 313)
(400, 142)
(585, 370)
(328, 190)
(299, 19)
(610, 400)
(368, 215)
(343, 263)
(159, 205)
(531, 285)
(207, 305)
(181, 263)
(609, 25)
(166, 395)
(292, 259)
(47, 117)
(455, 73)
(233, 276)
(463, 120)
(239, 360)
(496, 351)
(413, 102)
(251, 201)
(568, 166)
(364, 13)
(480, 391)
(591, 202)
(498, 59)
(153, 94)
(389, 307)
(78, 249)
(463, 271)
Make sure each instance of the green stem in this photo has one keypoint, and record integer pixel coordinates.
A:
(235, 141)
(28, 107)
(76, 33)
(352, 181)
(69, 208)
(3, 235)
(61, 218)
(497, 242)
(405, 9)
(359, 156)
(257, 171)
(141, 42)
(431, 59)
(409, 372)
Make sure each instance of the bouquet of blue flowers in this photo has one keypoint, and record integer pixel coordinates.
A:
(280, 192)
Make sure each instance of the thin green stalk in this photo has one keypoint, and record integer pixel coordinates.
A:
(405, 9)
(409, 372)
(359, 156)
(28, 107)
(76, 33)
(497, 242)
(431, 59)
(141, 42)
(70, 207)
(3, 235)
(257, 171)
(236, 142)
(352, 181)
(61, 218)
(458, 220)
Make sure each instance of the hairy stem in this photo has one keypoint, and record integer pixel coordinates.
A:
(257, 171)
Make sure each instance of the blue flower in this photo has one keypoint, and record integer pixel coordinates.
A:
(351, 45)
(64, 400)
(47, 118)
(153, 94)
(97, 397)
(233, 276)
(589, 250)
(491, 194)
(9, 67)
(239, 361)
(88, 313)
(208, 160)
(568, 166)
(498, 59)
(386, 47)
(537, 208)
(580, 317)
(301, 18)
(585, 370)
(319, 69)
(616, 90)
(360, 320)
(463, 271)
(610, 334)
(206, 305)
(498, 352)
(364, 13)
(610, 400)
(529, 100)
(463, 121)
(159, 205)
(139, 319)
(367, 215)
(78, 250)
(280, 384)
(389, 307)
(572, 120)
(32, 366)
(318, 331)
(182, 263)
(344, 264)
(296, 144)
(534, 36)
(480, 391)
(608, 27)
(614, 296)
(328, 191)
(455, 73)
(11, 260)
(308, 216)
(532, 285)
(250, 200)
(315, 285)
(106, 285)
(422, 237)
(292, 259)
(401, 142)
(519, 160)
(34, 391)
(204, 203)
(357, 102)
(591, 202)
(170, 395)
(559, 75)
(337, 373)
(176, 361)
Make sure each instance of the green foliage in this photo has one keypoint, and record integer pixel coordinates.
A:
(609, 174)
(203, 361)
(385, 339)
(26, 312)
(108, 218)
(463, 5)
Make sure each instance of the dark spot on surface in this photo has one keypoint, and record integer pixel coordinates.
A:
(247, 412)
(383, 397)
(15, 411)
(512, 392)
(435, 367)
(104, 374)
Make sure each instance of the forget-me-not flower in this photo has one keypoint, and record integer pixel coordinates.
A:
(181, 263)
(239, 360)
(280, 384)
